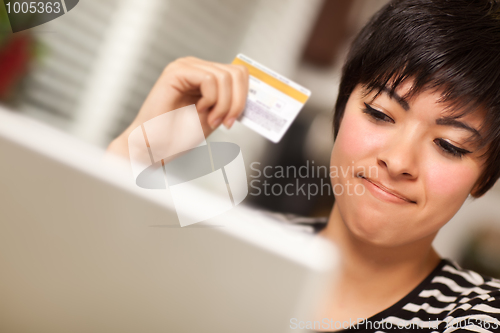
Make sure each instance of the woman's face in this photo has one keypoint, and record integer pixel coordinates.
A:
(404, 168)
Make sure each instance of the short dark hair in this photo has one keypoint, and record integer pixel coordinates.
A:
(453, 45)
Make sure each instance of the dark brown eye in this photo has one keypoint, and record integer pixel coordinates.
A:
(377, 115)
(450, 149)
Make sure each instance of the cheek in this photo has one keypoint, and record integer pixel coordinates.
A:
(445, 180)
(356, 139)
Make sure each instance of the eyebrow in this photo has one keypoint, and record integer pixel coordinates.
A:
(446, 121)
(400, 100)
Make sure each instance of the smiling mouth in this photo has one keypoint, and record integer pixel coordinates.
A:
(387, 190)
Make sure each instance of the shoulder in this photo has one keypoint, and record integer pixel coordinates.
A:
(310, 225)
(473, 299)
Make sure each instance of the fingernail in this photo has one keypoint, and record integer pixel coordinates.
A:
(216, 123)
(230, 122)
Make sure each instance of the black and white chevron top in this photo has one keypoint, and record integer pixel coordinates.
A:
(450, 299)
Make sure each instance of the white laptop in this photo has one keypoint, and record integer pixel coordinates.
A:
(82, 249)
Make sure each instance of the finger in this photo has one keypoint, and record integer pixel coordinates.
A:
(209, 93)
(240, 84)
(224, 92)
(240, 78)
(192, 80)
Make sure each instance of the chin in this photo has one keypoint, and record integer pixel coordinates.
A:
(371, 226)
(373, 231)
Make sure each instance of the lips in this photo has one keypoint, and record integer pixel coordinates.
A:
(387, 190)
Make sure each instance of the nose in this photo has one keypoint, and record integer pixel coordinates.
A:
(400, 158)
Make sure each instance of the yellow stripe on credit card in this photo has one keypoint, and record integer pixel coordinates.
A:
(272, 81)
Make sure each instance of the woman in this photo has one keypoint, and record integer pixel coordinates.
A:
(418, 117)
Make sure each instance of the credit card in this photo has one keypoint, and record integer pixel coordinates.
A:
(273, 101)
